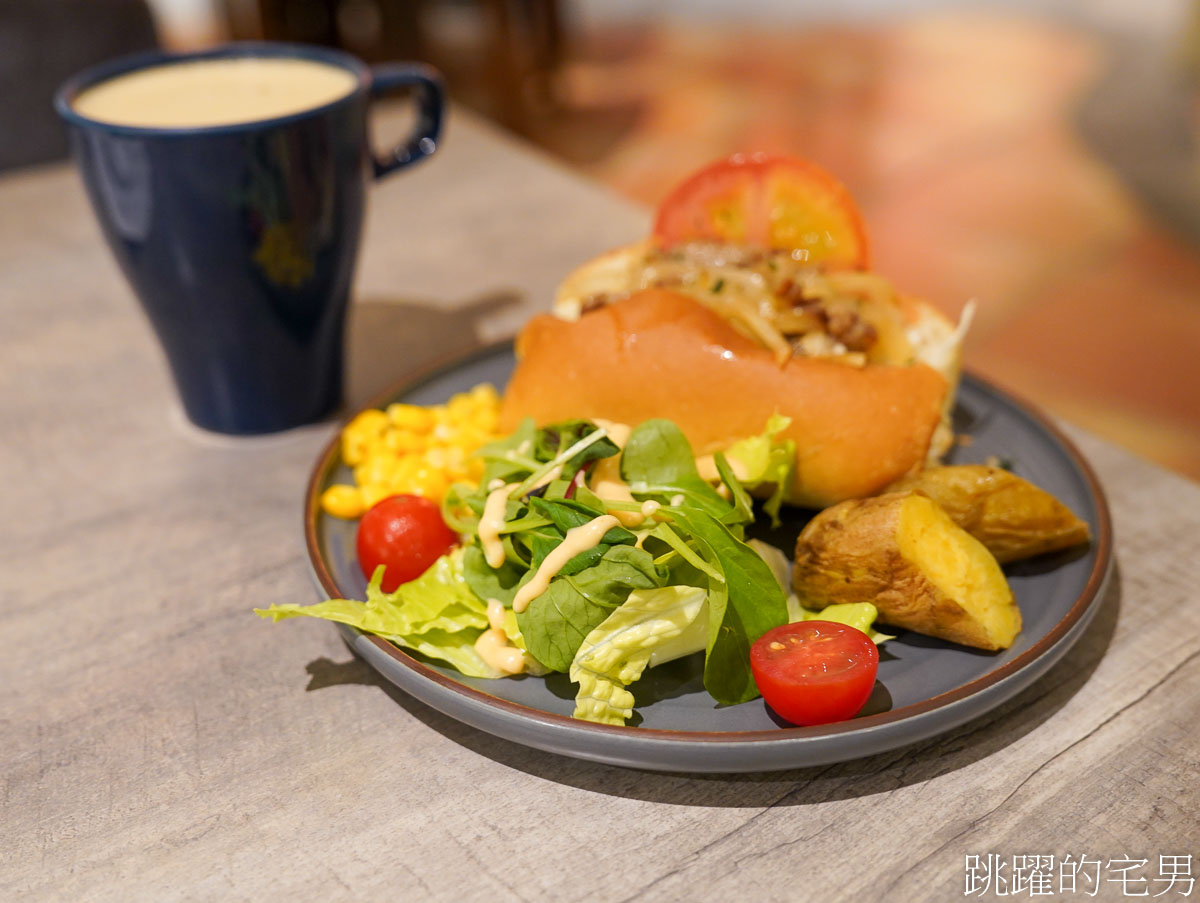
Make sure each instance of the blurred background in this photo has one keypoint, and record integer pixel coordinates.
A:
(1039, 157)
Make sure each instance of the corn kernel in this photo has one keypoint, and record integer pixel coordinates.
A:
(374, 493)
(430, 483)
(484, 393)
(370, 422)
(460, 474)
(406, 468)
(378, 468)
(460, 410)
(342, 501)
(360, 433)
(411, 417)
(486, 419)
(404, 440)
(420, 450)
(468, 439)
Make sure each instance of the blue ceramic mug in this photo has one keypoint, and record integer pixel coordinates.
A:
(240, 239)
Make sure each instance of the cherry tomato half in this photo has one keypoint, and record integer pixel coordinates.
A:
(815, 672)
(777, 202)
(406, 534)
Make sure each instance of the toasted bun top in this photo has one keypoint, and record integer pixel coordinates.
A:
(659, 353)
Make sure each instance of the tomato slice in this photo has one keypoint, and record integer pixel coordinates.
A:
(776, 202)
(406, 534)
(815, 672)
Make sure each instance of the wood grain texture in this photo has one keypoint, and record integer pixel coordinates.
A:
(160, 743)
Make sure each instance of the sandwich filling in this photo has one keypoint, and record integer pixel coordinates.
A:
(777, 298)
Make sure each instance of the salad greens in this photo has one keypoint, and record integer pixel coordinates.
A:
(436, 615)
(676, 576)
(768, 460)
(618, 650)
(693, 542)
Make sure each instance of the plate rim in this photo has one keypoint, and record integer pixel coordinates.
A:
(1088, 597)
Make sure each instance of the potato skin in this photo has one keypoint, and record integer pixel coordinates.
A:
(1011, 516)
(857, 551)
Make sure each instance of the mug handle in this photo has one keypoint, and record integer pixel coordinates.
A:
(430, 98)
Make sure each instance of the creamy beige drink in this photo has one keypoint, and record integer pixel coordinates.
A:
(215, 92)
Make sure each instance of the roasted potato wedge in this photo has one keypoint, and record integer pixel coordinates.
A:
(1008, 514)
(922, 571)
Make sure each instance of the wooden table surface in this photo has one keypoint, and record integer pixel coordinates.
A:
(159, 742)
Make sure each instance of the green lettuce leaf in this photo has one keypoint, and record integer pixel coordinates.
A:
(767, 460)
(437, 615)
(616, 652)
(860, 615)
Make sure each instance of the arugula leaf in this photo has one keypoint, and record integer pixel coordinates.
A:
(680, 547)
(554, 468)
(487, 582)
(743, 508)
(564, 515)
(585, 496)
(569, 513)
(552, 440)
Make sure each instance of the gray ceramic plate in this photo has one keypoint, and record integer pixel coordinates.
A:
(925, 686)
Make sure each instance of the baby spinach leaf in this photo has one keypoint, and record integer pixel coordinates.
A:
(658, 462)
(541, 542)
(620, 570)
(743, 607)
(567, 514)
(556, 622)
(657, 452)
(491, 583)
